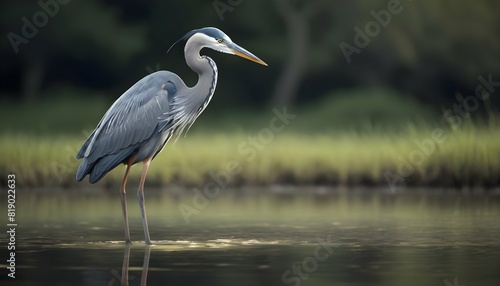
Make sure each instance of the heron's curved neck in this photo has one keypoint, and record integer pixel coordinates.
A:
(204, 66)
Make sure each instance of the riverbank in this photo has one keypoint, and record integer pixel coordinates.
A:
(467, 157)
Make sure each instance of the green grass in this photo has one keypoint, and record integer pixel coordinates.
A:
(468, 157)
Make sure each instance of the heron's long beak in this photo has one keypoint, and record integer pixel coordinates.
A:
(239, 51)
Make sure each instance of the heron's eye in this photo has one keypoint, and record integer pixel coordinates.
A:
(219, 41)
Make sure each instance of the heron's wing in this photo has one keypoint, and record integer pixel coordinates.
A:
(132, 119)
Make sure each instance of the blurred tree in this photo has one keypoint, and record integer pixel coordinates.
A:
(431, 50)
(446, 45)
(297, 24)
(77, 30)
(314, 30)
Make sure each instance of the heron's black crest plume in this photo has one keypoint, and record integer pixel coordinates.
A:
(184, 38)
(209, 31)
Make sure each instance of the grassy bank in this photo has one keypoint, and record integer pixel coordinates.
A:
(466, 157)
(353, 137)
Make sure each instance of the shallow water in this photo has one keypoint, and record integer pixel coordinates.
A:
(258, 237)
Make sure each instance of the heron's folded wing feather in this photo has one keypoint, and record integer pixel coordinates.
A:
(132, 119)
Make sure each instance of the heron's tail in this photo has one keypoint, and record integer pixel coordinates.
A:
(99, 168)
(84, 169)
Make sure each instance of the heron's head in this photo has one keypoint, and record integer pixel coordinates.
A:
(217, 40)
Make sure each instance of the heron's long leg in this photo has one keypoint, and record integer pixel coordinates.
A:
(123, 196)
(140, 195)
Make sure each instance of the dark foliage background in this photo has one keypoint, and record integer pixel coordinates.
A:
(428, 55)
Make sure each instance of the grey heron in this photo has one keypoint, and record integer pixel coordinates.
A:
(158, 107)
